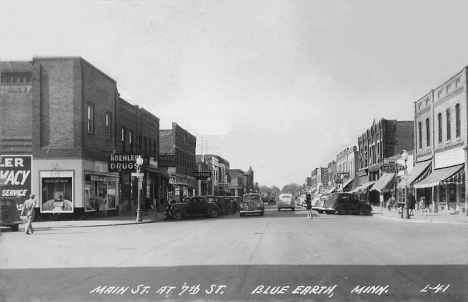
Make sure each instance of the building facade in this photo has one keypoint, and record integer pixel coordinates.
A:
(347, 165)
(178, 147)
(440, 131)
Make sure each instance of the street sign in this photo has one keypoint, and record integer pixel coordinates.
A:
(138, 174)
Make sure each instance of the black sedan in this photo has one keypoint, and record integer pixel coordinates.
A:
(345, 203)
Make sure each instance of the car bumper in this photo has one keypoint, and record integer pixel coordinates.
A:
(251, 212)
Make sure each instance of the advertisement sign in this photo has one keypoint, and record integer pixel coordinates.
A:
(57, 192)
(15, 175)
(202, 174)
(167, 160)
(392, 167)
(342, 174)
(124, 162)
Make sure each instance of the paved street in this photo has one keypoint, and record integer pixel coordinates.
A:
(281, 255)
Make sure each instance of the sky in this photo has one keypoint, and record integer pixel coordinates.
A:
(279, 86)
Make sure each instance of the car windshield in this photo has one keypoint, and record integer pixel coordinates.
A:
(248, 198)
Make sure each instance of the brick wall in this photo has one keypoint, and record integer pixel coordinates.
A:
(16, 108)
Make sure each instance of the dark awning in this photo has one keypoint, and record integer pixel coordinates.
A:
(157, 171)
(363, 187)
(439, 176)
(386, 182)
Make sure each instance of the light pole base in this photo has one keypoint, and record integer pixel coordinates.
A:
(138, 218)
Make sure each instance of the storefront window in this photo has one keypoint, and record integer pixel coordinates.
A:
(90, 196)
(452, 189)
(442, 190)
(462, 194)
(111, 194)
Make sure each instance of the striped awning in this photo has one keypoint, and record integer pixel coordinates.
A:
(440, 176)
(348, 185)
(456, 179)
(363, 187)
(386, 182)
(418, 173)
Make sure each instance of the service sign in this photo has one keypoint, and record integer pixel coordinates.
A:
(15, 173)
(392, 167)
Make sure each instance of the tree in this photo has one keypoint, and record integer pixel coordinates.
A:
(292, 188)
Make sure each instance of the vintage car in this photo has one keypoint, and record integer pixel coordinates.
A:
(232, 203)
(219, 200)
(346, 203)
(285, 201)
(319, 202)
(193, 206)
(237, 201)
(252, 204)
(9, 213)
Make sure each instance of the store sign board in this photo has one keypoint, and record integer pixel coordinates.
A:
(124, 162)
(202, 174)
(15, 175)
(166, 160)
(392, 167)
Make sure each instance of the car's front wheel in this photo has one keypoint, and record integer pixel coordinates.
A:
(177, 215)
(341, 211)
(214, 213)
(320, 211)
(14, 227)
(366, 211)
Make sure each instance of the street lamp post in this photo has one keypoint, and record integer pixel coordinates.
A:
(139, 162)
(405, 157)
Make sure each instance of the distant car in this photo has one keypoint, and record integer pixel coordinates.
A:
(9, 214)
(319, 202)
(271, 200)
(231, 204)
(220, 202)
(193, 206)
(252, 204)
(346, 203)
(286, 201)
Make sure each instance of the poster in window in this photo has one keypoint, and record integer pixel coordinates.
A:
(57, 193)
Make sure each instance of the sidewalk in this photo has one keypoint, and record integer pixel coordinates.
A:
(443, 217)
(122, 219)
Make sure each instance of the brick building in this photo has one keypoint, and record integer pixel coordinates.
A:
(383, 139)
(440, 131)
(237, 183)
(347, 165)
(63, 116)
(180, 145)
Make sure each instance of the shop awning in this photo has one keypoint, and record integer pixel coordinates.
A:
(347, 186)
(363, 187)
(418, 173)
(158, 171)
(456, 179)
(386, 182)
(439, 176)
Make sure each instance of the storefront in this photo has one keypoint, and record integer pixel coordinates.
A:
(98, 187)
(446, 186)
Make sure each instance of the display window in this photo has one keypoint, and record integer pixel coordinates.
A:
(98, 188)
(57, 194)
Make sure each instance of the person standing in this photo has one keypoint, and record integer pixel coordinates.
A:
(391, 202)
(103, 206)
(28, 211)
(411, 203)
(422, 206)
(309, 206)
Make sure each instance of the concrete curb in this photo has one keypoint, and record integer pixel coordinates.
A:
(427, 219)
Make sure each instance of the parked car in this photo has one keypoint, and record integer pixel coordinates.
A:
(228, 204)
(252, 204)
(237, 201)
(319, 203)
(193, 206)
(220, 202)
(286, 201)
(346, 203)
(9, 214)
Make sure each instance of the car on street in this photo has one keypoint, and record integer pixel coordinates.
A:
(219, 200)
(231, 204)
(319, 202)
(286, 201)
(9, 215)
(193, 206)
(237, 201)
(252, 204)
(346, 203)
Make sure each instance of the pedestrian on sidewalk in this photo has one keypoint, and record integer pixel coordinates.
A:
(422, 206)
(103, 206)
(98, 205)
(309, 206)
(411, 203)
(391, 202)
(28, 211)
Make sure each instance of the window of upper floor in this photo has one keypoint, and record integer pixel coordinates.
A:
(108, 125)
(90, 119)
